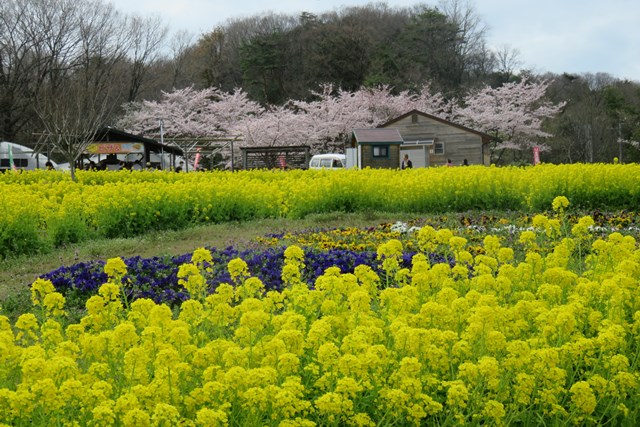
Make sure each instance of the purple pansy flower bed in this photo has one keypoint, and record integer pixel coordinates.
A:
(156, 278)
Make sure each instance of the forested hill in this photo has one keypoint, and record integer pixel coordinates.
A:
(278, 57)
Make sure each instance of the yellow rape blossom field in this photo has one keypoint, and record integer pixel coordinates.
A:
(543, 332)
(42, 210)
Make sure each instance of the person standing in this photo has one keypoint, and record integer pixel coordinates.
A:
(406, 163)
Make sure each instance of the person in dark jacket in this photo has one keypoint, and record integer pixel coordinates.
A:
(406, 163)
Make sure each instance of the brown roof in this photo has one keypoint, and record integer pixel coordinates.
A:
(377, 136)
(486, 138)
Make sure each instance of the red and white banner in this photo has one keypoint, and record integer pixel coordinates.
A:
(536, 155)
(197, 160)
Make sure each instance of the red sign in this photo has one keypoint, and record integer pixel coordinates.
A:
(195, 164)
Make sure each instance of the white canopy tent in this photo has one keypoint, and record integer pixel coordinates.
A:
(23, 157)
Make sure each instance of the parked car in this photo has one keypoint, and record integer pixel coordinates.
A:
(328, 161)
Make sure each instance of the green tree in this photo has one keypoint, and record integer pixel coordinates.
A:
(263, 62)
(587, 129)
(622, 104)
(426, 50)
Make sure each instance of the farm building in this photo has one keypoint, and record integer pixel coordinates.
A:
(431, 141)
(427, 139)
(375, 148)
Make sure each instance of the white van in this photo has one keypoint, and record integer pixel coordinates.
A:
(328, 161)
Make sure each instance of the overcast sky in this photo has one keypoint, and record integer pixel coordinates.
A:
(575, 36)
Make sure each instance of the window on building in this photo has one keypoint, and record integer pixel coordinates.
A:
(380, 151)
(19, 163)
(428, 142)
(438, 148)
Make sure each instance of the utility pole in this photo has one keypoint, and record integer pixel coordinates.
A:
(619, 141)
(589, 142)
(161, 144)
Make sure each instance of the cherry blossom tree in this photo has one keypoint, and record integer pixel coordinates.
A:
(513, 112)
(232, 109)
(190, 116)
(324, 122)
(378, 104)
(189, 113)
(382, 105)
(329, 117)
(278, 126)
(434, 103)
(332, 114)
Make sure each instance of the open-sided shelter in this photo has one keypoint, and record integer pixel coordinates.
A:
(110, 143)
(276, 157)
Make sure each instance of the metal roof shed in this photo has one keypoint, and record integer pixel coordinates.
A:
(375, 148)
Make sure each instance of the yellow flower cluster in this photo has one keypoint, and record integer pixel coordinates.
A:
(192, 276)
(549, 337)
(44, 208)
(349, 238)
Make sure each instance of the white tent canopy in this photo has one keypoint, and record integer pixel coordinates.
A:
(23, 157)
